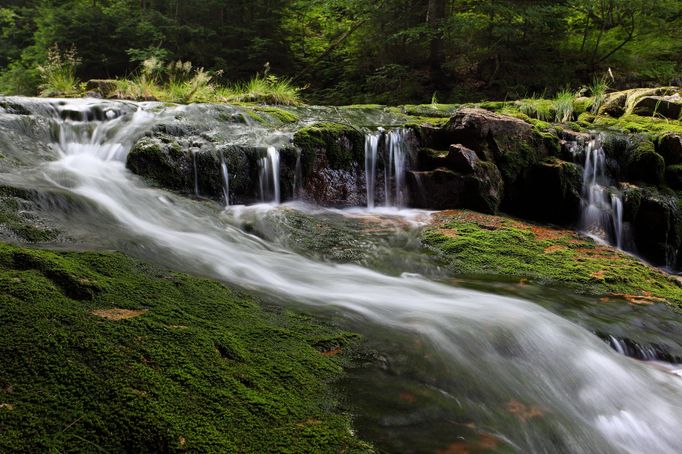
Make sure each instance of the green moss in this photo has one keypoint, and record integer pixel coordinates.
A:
(341, 144)
(637, 124)
(197, 367)
(644, 164)
(281, 115)
(15, 217)
(473, 243)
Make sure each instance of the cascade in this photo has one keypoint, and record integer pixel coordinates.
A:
(226, 179)
(371, 153)
(196, 173)
(602, 206)
(492, 350)
(268, 176)
(396, 150)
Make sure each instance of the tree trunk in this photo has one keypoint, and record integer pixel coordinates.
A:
(435, 16)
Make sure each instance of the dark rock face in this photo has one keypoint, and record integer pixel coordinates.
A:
(643, 164)
(673, 176)
(670, 147)
(657, 223)
(192, 164)
(553, 192)
(509, 144)
(614, 105)
(331, 154)
(442, 188)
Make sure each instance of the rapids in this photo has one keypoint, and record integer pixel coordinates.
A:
(533, 379)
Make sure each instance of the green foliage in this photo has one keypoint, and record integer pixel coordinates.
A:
(564, 106)
(598, 90)
(265, 89)
(58, 73)
(100, 352)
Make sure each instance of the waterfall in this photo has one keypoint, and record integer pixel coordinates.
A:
(226, 179)
(196, 173)
(268, 176)
(396, 149)
(395, 166)
(371, 152)
(602, 213)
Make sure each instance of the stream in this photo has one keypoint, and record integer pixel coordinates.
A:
(471, 364)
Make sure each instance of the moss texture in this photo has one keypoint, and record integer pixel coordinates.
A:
(100, 352)
(341, 145)
(473, 243)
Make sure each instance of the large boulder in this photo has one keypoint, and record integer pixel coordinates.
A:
(643, 164)
(657, 221)
(332, 162)
(510, 143)
(663, 106)
(467, 182)
(670, 147)
(553, 192)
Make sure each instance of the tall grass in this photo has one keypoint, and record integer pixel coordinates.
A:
(564, 106)
(266, 89)
(598, 90)
(58, 74)
(540, 109)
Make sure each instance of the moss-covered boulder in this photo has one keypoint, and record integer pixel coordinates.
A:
(657, 221)
(102, 353)
(643, 164)
(332, 161)
(662, 106)
(477, 244)
(669, 146)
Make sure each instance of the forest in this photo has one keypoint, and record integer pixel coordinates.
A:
(355, 51)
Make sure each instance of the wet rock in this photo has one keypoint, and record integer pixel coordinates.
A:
(662, 106)
(443, 188)
(643, 164)
(670, 147)
(673, 176)
(553, 192)
(463, 159)
(657, 223)
(331, 154)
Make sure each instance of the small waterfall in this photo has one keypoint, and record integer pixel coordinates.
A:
(196, 173)
(602, 214)
(269, 176)
(298, 176)
(371, 152)
(395, 166)
(226, 180)
(396, 149)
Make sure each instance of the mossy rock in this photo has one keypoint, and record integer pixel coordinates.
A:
(477, 244)
(338, 144)
(673, 176)
(100, 352)
(643, 164)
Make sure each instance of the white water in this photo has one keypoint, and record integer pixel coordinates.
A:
(395, 166)
(226, 180)
(593, 399)
(602, 215)
(371, 153)
(269, 176)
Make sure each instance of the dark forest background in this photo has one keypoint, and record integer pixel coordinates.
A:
(358, 51)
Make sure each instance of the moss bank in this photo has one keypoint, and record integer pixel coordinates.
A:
(100, 352)
(473, 243)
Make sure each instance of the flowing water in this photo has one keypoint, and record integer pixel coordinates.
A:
(501, 367)
(602, 215)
